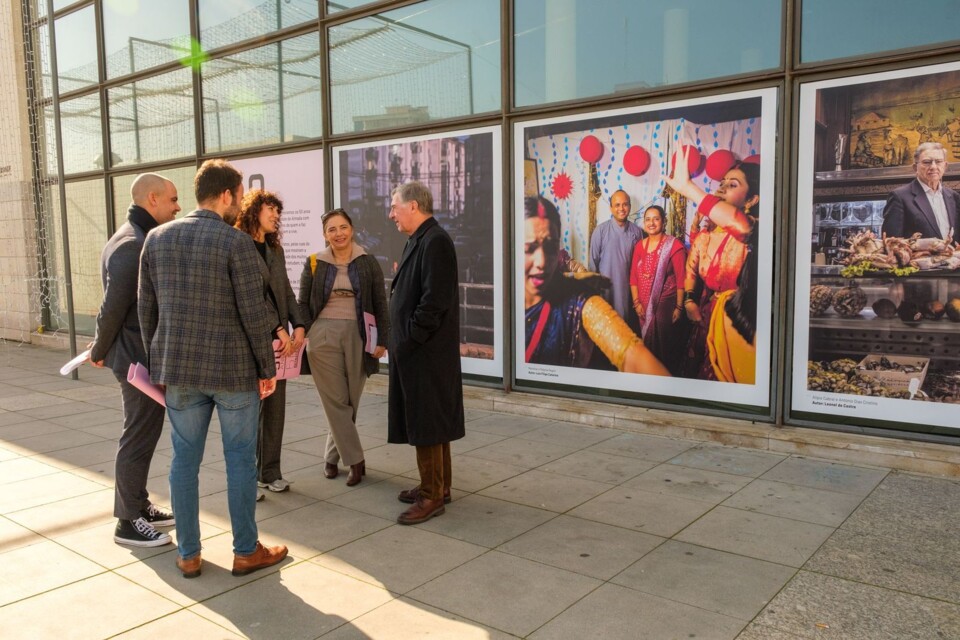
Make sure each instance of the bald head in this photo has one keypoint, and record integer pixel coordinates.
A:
(157, 195)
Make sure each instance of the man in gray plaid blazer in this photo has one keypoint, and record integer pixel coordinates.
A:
(206, 333)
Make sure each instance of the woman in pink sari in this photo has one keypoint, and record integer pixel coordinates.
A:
(656, 271)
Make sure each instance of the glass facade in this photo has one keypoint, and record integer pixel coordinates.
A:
(162, 90)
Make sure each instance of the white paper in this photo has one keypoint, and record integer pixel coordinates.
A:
(75, 363)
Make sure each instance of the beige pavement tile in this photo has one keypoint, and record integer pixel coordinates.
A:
(819, 474)
(24, 469)
(290, 461)
(182, 624)
(214, 507)
(303, 411)
(740, 462)
(48, 565)
(660, 514)
(598, 466)
(687, 482)
(302, 601)
(588, 548)
(405, 619)
(399, 558)
(925, 507)
(814, 605)
(486, 521)
(757, 535)
(572, 435)
(378, 498)
(81, 456)
(755, 631)
(829, 508)
(625, 613)
(90, 419)
(506, 592)
(636, 445)
(65, 409)
(7, 454)
(704, 578)
(53, 487)
(52, 442)
(546, 490)
(14, 536)
(473, 474)
(391, 458)
(522, 453)
(507, 425)
(474, 440)
(96, 544)
(310, 481)
(30, 401)
(106, 604)
(68, 514)
(89, 392)
(29, 428)
(320, 527)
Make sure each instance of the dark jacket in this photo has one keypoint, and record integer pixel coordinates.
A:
(908, 211)
(202, 317)
(117, 341)
(366, 276)
(273, 268)
(426, 386)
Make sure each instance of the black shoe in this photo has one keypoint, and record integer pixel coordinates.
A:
(139, 533)
(157, 516)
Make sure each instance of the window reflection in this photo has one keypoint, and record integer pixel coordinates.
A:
(141, 35)
(431, 60)
(152, 119)
(832, 29)
(567, 49)
(87, 232)
(182, 177)
(343, 5)
(224, 22)
(263, 96)
(81, 133)
(76, 50)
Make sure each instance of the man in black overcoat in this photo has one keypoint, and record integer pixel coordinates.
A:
(426, 386)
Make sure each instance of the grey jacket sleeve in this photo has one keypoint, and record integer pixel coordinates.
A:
(119, 295)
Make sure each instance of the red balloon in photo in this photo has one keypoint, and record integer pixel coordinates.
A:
(754, 159)
(591, 149)
(636, 161)
(693, 160)
(719, 162)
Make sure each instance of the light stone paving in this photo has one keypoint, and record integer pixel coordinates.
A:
(556, 530)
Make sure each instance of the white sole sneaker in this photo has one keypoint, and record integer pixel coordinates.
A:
(163, 539)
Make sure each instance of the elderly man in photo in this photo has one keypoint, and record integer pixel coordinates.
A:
(426, 388)
(924, 206)
(206, 332)
(611, 248)
(117, 344)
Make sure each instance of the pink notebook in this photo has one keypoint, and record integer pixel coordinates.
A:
(288, 366)
(138, 376)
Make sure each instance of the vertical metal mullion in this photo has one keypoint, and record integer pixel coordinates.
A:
(326, 109)
(199, 149)
(55, 90)
(506, 175)
(783, 371)
(104, 121)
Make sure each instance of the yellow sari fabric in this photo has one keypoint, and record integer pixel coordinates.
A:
(732, 357)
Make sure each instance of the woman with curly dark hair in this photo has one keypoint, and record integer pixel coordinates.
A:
(260, 218)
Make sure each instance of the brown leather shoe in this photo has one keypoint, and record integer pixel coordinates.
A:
(421, 511)
(357, 471)
(410, 496)
(190, 568)
(330, 471)
(261, 558)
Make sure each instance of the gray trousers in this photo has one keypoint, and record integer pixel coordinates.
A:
(142, 423)
(336, 362)
(273, 411)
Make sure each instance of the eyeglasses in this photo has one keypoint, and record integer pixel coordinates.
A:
(929, 162)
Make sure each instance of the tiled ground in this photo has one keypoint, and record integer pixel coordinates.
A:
(556, 531)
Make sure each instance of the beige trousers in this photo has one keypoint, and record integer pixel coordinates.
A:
(336, 362)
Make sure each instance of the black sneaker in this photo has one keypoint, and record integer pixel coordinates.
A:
(139, 533)
(157, 516)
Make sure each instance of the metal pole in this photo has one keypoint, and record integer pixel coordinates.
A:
(68, 280)
(133, 95)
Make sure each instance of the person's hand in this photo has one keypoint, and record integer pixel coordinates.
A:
(676, 315)
(267, 387)
(299, 335)
(680, 180)
(285, 343)
(379, 352)
(96, 363)
(639, 309)
(693, 311)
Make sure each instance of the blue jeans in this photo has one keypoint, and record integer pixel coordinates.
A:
(190, 411)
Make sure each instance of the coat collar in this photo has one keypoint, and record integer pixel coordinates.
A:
(141, 217)
(411, 245)
(326, 255)
(205, 213)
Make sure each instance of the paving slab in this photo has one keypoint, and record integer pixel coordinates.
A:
(486, 521)
(688, 482)
(546, 490)
(598, 466)
(740, 462)
(819, 474)
(405, 619)
(794, 501)
(660, 514)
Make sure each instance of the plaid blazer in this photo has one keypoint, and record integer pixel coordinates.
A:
(202, 317)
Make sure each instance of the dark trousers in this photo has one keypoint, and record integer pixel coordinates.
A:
(142, 423)
(273, 410)
(436, 473)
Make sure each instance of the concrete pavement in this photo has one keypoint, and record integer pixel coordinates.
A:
(557, 530)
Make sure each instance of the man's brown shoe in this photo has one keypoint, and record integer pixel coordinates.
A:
(190, 568)
(409, 496)
(421, 511)
(261, 558)
(330, 471)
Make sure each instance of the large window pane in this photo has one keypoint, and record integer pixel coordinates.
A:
(263, 96)
(182, 177)
(42, 53)
(568, 49)
(82, 134)
(224, 22)
(87, 232)
(141, 35)
(76, 49)
(152, 119)
(831, 29)
(432, 60)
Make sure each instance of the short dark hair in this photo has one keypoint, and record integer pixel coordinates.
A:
(213, 178)
(335, 212)
(249, 219)
(418, 192)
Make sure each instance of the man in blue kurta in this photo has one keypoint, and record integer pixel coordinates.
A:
(611, 248)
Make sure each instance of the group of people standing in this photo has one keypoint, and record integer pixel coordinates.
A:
(647, 304)
(205, 303)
